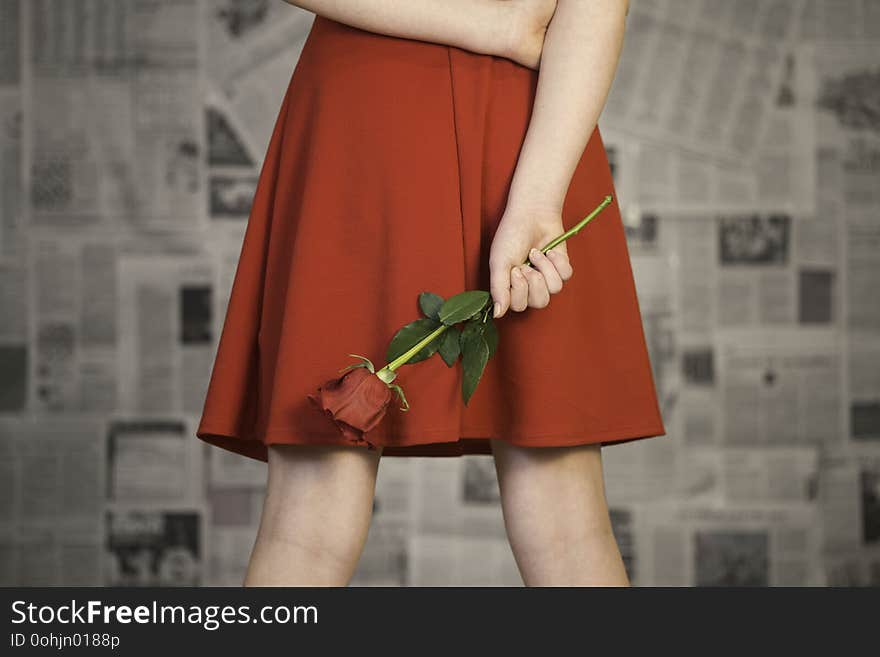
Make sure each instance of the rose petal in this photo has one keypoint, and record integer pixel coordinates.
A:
(356, 402)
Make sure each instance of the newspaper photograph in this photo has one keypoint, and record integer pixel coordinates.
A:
(153, 547)
(738, 545)
(166, 317)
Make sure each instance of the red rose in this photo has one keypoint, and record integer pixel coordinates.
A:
(356, 402)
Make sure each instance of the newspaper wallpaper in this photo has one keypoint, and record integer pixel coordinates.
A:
(745, 142)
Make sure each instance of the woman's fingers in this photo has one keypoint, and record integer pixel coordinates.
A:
(561, 262)
(519, 290)
(548, 268)
(531, 287)
(527, 289)
(539, 295)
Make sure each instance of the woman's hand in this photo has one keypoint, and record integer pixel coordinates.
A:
(524, 41)
(521, 234)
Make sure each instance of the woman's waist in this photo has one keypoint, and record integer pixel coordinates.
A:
(372, 70)
(341, 43)
(336, 50)
(334, 34)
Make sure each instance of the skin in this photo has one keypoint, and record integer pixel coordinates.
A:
(569, 99)
(319, 499)
(317, 511)
(505, 28)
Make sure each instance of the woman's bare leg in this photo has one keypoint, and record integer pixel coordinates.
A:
(316, 515)
(556, 515)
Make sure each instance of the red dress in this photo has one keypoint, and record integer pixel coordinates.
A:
(386, 175)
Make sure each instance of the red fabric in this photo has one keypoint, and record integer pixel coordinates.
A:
(386, 175)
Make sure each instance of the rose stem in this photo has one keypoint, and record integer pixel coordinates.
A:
(574, 229)
(412, 351)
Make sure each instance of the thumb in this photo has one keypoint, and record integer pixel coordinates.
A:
(499, 287)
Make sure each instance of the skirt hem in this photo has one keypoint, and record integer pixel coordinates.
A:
(446, 442)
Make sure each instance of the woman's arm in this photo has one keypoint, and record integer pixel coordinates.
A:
(581, 50)
(506, 28)
(580, 55)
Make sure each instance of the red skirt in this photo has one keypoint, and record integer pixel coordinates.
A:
(386, 176)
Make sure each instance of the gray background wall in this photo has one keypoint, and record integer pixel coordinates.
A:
(745, 143)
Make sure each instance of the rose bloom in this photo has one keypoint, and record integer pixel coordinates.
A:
(356, 402)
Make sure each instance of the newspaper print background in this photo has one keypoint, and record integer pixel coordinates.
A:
(745, 141)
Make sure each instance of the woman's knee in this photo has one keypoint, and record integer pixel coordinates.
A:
(562, 485)
(317, 486)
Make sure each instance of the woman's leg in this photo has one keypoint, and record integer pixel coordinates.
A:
(556, 515)
(317, 511)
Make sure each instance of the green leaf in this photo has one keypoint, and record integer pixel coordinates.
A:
(450, 348)
(471, 330)
(430, 304)
(463, 306)
(409, 335)
(490, 333)
(474, 356)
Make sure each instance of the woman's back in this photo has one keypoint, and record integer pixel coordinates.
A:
(387, 176)
(400, 166)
